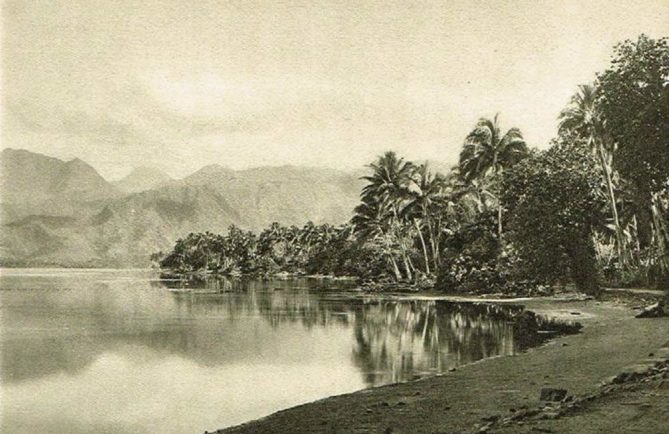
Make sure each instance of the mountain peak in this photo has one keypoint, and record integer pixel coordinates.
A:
(210, 174)
(29, 177)
(77, 163)
(214, 168)
(143, 178)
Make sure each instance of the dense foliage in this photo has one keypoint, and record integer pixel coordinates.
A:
(554, 203)
(634, 101)
(315, 249)
(634, 104)
(593, 207)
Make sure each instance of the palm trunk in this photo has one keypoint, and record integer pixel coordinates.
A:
(396, 270)
(405, 259)
(437, 249)
(660, 232)
(660, 276)
(499, 200)
(620, 238)
(637, 245)
(406, 267)
(400, 241)
(422, 242)
(433, 246)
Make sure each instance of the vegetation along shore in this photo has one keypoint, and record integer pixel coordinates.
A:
(590, 211)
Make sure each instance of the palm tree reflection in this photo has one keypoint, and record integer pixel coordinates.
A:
(393, 340)
(399, 341)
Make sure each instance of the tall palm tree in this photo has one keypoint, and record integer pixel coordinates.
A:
(582, 119)
(386, 190)
(427, 190)
(487, 152)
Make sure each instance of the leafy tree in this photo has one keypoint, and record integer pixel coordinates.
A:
(554, 202)
(634, 101)
(342, 253)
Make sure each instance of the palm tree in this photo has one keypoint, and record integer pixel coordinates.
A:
(487, 152)
(389, 181)
(473, 197)
(420, 208)
(582, 119)
(386, 190)
(371, 222)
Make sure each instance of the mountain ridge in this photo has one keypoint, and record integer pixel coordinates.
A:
(64, 213)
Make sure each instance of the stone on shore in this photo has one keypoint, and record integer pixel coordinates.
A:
(552, 394)
(656, 310)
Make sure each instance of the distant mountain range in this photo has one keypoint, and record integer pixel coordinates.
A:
(63, 213)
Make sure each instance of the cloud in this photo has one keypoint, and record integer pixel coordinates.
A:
(175, 85)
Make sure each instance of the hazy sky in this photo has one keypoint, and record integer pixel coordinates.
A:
(177, 84)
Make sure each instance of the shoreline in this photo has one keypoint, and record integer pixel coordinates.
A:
(462, 401)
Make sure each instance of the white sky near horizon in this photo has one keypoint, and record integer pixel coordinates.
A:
(177, 86)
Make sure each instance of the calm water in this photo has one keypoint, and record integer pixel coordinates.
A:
(126, 352)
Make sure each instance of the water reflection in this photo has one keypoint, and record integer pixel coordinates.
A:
(394, 340)
(400, 341)
(130, 335)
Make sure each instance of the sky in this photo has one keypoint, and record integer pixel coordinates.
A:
(178, 85)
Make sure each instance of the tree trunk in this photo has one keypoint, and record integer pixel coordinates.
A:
(433, 246)
(642, 199)
(499, 200)
(405, 259)
(635, 225)
(430, 231)
(413, 267)
(422, 242)
(583, 266)
(660, 240)
(620, 237)
(660, 232)
(436, 234)
(396, 270)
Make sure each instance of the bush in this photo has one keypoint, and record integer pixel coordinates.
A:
(554, 201)
(344, 257)
(475, 262)
(502, 274)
